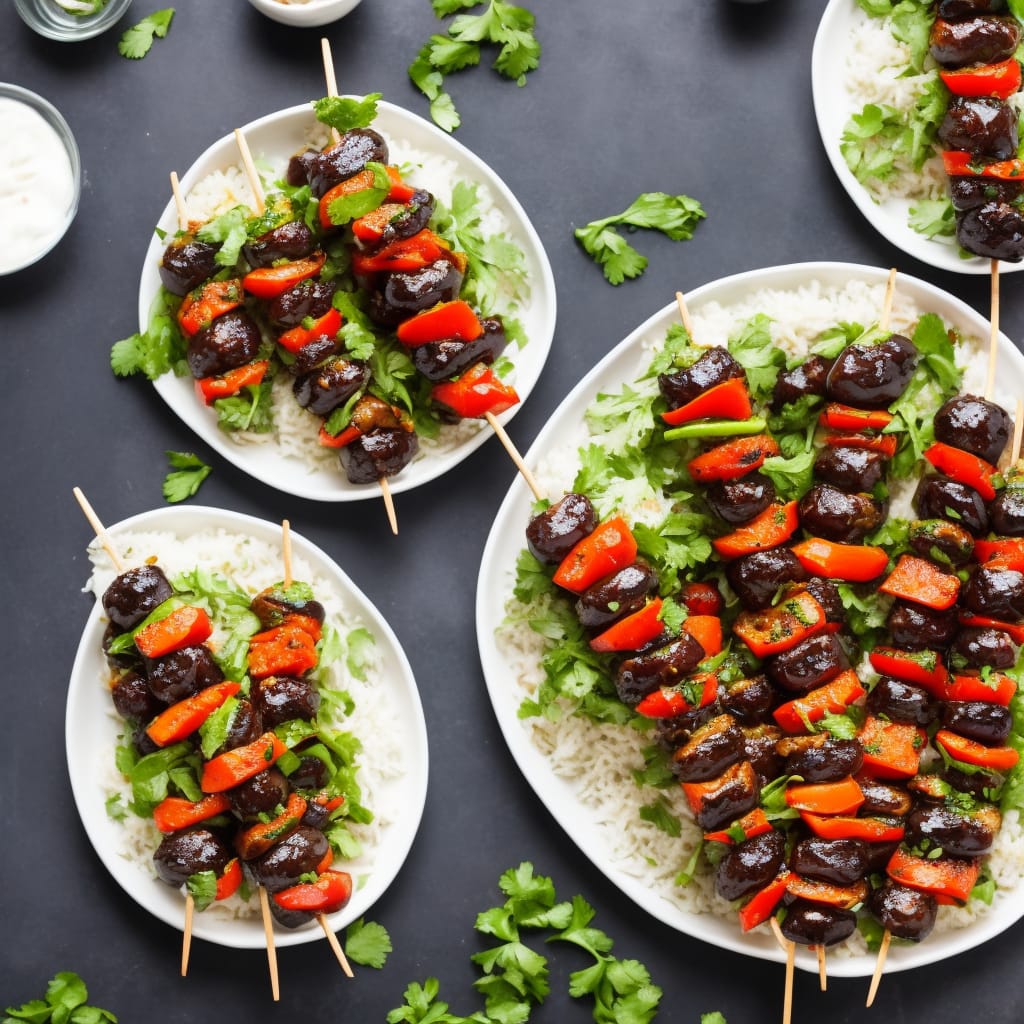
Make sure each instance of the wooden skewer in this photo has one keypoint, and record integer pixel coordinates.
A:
(332, 941)
(684, 314)
(790, 948)
(883, 952)
(186, 939)
(99, 529)
(332, 83)
(179, 202)
(993, 338)
(268, 931)
(1018, 433)
(890, 293)
(513, 454)
(822, 970)
(259, 203)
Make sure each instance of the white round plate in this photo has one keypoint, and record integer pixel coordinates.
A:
(92, 732)
(274, 139)
(497, 578)
(833, 106)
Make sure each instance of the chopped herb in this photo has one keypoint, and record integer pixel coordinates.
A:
(136, 41)
(367, 943)
(65, 1002)
(188, 472)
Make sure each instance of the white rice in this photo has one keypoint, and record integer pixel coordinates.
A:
(253, 566)
(599, 759)
(295, 430)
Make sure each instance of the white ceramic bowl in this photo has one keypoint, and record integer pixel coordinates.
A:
(305, 15)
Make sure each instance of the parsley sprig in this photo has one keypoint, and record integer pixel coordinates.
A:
(137, 41)
(65, 1003)
(502, 24)
(674, 216)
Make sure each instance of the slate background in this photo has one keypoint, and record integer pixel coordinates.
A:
(709, 98)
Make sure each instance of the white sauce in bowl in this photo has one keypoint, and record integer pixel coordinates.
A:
(37, 185)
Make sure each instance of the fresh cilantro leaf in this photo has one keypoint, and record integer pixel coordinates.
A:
(716, 1017)
(792, 476)
(156, 352)
(447, 55)
(357, 204)
(66, 996)
(367, 943)
(933, 218)
(360, 644)
(249, 410)
(345, 113)
(203, 888)
(190, 472)
(759, 356)
(675, 216)
(229, 229)
(136, 41)
(658, 814)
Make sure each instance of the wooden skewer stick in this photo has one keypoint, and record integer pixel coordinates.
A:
(684, 314)
(268, 931)
(890, 293)
(99, 529)
(513, 454)
(883, 952)
(332, 83)
(179, 202)
(790, 948)
(822, 970)
(993, 338)
(1018, 433)
(332, 941)
(186, 939)
(259, 203)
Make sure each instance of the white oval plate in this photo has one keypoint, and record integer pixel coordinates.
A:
(833, 106)
(274, 139)
(91, 733)
(497, 577)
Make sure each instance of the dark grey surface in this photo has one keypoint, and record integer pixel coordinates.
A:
(698, 96)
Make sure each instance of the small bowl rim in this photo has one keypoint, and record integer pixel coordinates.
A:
(84, 26)
(313, 14)
(57, 121)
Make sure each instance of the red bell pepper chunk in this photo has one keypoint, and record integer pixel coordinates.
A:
(846, 897)
(230, 383)
(1016, 630)
(761, 905)
(633, 631)
(477, 392)
(706, 797)
(360, 182)
(832, 698)
(997, 688)
(707, 631)
(845, 417)
(182, 719)
(1001, 80)
(963, 467)
(446, 320)
(230, 880)
(413, 253)
(254, 841)
(208, 302)
(998, 759)
(729, 400)
(856, 563)
(241, 763)
(610, 546)
(958, 163)
(285, 650)
(184, 627)
(299, 337)
(701, 599)
(174, 813)
(269, 282)
(346, 436)
(772, 527)
(892, 750)
(946, 876)
(371, 227)
(1009, 551)
(922, 667)
(922, 582)
(842, 797)
(884, 443)
(782, 626)
(733, 459)
(670, 701)
(755, 823)
(838, 826)
(329, 893)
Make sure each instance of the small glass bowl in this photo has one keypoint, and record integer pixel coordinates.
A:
(52, 116)
(48, 18)
(309, 14)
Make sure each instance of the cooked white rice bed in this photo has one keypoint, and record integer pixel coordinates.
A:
(253, 566)
(599, 759)
(295, 430)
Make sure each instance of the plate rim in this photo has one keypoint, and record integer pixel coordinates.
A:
(85, 785)
(297, 481)
(494, 588)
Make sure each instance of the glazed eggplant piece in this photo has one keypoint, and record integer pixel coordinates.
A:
(383, 452)
(617, 595)
(1007, 511)
(979, 647)
(839, 516)
(849, 469)
(273, 604)
(330, 385)
(186, 264)
(289, 241)
(183, 854)
(553, 533)
(750, 865)
(959, 835)
(996, 593)
(906, 913)
(941, 541)
(229, 341)
(709, 751)
(408, 219)
(981, 125)
(134, 594)
(873, 376)
(759, 746)
(757, 577)
(308, 299)
(665, 666)
(820, 757)
(244, 728)
(826, 593)
(975, 425)
(737, 501)
(982, 39)
(969, 191)
(400, 294)
(182, 673)
(354, 150)
(816, 924)
(259, 795)
(439, 360)
(915, 627)
(714, 367)
(982, 721)
(807, 378)
(808, 665)
(749, 700)
(938, 497)
(134, 699)
(953, 9)
(279, 699)
(836, 861)
(993, 231)
(298, 854)
(902, 702)
(728, 797)
(882, 799)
